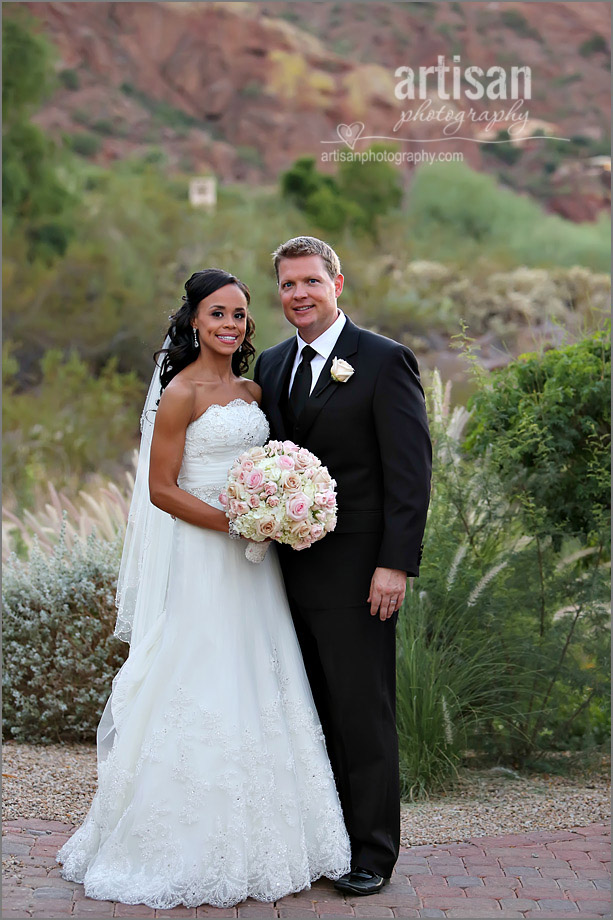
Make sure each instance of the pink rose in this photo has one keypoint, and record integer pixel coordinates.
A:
(321, 477)
(302, 545)
(254, 501)
(297, 507)
(300, 529)
(317, 531)
(290, 447)
(320, 499)
(285, 462)
(275, 446)
(272, 501)
(254, 479)
(267, 526)
(291, 482)
(240, 477)
(233, 490)
(233, 507)
(247, 465)
(330, 524)
(242, 508)
(257, 453)
(330, 499)
(303, 458)
(223, 499)
(270, 488)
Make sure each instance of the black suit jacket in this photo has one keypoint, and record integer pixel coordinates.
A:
(372, 434)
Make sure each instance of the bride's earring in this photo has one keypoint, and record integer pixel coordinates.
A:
(196, 342)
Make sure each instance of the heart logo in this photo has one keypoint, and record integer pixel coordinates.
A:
(350, 134)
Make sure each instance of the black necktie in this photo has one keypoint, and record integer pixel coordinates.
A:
(301, 386)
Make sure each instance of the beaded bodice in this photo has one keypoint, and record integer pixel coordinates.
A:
(214, 440)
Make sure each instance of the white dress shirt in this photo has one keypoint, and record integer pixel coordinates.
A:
(323, 345)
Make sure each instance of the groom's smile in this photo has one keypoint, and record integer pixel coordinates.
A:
(308, 294)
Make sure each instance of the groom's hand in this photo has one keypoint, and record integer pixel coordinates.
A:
(387, 589)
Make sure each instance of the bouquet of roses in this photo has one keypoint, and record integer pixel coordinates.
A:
(279, 492)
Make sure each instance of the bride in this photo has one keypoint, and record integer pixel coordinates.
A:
(214, 783)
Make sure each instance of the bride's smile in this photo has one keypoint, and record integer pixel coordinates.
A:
(221, 320)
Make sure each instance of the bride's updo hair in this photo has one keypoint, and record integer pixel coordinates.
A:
(182, 350)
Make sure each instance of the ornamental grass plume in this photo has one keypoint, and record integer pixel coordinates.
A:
(102, 508)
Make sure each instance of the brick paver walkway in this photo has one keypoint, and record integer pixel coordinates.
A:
(543, 874)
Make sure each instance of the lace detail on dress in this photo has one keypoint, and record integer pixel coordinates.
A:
(217, 786)
(208, 494)
(213, 433)
(270, 791)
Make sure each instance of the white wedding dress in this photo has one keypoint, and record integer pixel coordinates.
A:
(218, 786)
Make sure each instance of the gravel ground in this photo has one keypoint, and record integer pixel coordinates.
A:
(57, 782)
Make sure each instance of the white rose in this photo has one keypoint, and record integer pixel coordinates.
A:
(341, 370)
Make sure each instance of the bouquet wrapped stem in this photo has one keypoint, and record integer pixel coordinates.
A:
(256, 552)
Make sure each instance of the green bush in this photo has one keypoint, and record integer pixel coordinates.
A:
(103, 126)
(250, 155)
(464, 215)
(501, 629)
(60, 655)
(84, 144)
(356, 198)
(252, 89)
(72, 424)
(445, 664)
(69, 78)
(545, 421)
(34, 196)
(509, 153)
(163, 112)
(515, 20)
(597, 44)
(27, 59)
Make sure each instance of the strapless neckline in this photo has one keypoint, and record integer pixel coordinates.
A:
(233, 402)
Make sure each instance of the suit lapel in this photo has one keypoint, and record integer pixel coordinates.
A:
(346, 345)
(277, 387)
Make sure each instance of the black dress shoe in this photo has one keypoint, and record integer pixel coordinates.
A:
(360, 881)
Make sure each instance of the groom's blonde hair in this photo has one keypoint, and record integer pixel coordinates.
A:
(308, 246)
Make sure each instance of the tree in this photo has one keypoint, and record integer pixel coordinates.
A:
(545, 421)
(373, 185)
(32, 192)
(360, 193)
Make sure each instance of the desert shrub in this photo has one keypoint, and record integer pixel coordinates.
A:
(545, 422)
(596, 44)
(515, 20)
(503, 640)
(69, 78)
(252, 89)
(83, 143)
(103, 126)
(72, 424)
(250, 155)
(60, 655)
(465, 216)
(422, 296)
(164, 113)
(508, 152)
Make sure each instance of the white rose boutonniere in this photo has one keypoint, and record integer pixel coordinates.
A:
(341, 370)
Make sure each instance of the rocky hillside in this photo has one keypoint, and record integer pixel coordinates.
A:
(243, 89)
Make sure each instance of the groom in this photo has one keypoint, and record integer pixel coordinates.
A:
(368, 425)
